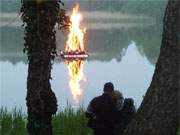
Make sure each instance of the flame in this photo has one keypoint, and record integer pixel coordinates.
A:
(75, 44)
(76, 35)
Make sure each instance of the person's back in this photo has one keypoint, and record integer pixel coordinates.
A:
(125, 116)
(102, 109)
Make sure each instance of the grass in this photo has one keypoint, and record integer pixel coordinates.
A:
(67, 122)
(70, 122)
(178, 132)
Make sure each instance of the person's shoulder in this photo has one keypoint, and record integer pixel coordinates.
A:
(96, 98)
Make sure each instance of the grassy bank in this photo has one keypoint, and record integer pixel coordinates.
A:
(67, 122)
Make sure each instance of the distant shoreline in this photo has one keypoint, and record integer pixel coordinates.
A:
(93, 20)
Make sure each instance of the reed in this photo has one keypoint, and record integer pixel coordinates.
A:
(66, 122)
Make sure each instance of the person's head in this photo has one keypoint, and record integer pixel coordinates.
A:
(108, 87)
(128, 102)
(117, 95)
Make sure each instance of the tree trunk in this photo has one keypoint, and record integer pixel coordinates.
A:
(39, 17)
(158, 113)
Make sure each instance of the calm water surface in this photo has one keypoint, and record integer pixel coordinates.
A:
(124, 54)
(131, 76)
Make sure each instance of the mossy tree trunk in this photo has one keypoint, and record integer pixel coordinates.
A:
(158, 113)
(40, 17)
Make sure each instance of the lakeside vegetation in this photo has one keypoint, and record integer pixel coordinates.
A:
(148, 7)
(67, 122)
(130, 6)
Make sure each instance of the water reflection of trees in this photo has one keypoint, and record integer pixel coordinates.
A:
(110, 44)
(11, 46)
(148, 41)
(103, 45)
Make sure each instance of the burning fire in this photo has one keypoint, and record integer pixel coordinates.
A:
(76, 35)
(75, 44)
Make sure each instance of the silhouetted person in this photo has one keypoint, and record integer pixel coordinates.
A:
(118, 96)
(101, 111)
(124, 116)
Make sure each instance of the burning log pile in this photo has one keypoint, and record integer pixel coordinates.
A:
(74, 48)
(73, 55)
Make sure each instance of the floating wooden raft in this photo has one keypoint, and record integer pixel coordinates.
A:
(75, 55)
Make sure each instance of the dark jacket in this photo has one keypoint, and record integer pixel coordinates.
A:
(104, 112)
(125, 116)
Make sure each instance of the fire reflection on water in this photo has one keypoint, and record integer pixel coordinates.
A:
(75, 45)
(75, 69)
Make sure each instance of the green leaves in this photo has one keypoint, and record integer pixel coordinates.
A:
(39, 19)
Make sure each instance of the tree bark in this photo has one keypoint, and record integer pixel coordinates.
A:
(158, 113)
(39, 17)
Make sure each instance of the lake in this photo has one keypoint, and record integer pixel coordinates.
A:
(123, 49)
